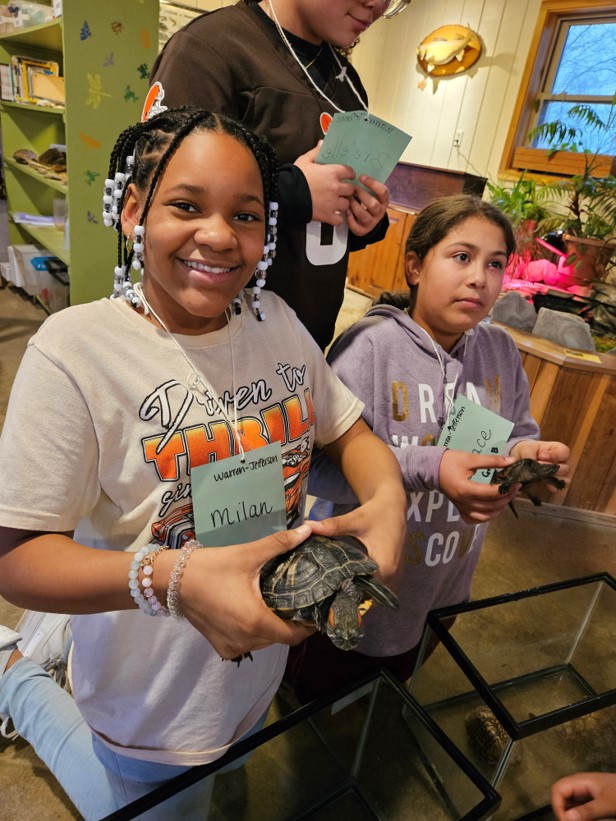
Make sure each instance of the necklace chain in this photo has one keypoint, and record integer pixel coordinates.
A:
(315, 58)
(343, 72)
(195, 381)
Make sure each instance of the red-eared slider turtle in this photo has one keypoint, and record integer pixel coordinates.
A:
(327, 583)
(527, 472)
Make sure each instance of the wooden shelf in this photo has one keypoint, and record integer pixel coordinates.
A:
(45, 35)
(50, 238)
(40, 109)
(30, 172)
(95, 113)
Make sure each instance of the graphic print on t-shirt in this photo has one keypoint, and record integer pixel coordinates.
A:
(186, 438)
(437, 534)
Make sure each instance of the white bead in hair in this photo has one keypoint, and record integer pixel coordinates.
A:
(119, 278)
(269, 252)
(107, 203)
(138, 246)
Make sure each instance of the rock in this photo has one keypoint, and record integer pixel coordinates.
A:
(568, 330)
(513, 310)
(604, 309)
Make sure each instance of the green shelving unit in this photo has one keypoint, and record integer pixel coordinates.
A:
(105, 51)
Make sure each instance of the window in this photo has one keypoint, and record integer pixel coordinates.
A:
(572, 60)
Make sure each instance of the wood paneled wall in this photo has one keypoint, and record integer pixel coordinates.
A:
(479, 102)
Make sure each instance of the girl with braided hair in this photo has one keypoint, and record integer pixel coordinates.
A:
(117, 406)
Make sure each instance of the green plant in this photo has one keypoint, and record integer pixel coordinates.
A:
(522, 201)
(589, 201)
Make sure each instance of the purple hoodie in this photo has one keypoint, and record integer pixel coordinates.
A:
(401, 375)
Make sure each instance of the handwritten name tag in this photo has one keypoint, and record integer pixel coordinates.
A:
(475, 429)
(370, 145)
(237, 501)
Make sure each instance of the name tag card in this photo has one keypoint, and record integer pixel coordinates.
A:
(370, 145)
(237, 501)
(475, 429)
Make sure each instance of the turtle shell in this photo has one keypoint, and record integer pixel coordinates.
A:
(488, 736)
(311, 573)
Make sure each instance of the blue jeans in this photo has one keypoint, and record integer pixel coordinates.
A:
(97, 780)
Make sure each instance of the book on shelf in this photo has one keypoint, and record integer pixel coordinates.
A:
(35, 220)
(24, 68)
(44, 86)
(6, 83)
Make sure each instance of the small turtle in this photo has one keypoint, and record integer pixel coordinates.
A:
(327, 583)
(526, 472)
(487, 735)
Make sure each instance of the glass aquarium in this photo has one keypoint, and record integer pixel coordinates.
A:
(369, 752)
(524, 685)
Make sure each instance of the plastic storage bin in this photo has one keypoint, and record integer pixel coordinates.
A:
(368, 753)
(524, 684)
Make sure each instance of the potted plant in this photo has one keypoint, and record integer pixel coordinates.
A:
(585, 202)
(524, 201)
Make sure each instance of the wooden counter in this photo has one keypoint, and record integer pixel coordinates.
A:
(573, 399)
(380, 267)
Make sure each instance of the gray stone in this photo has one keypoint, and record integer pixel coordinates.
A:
(604, 308)
(512, 309)
(568, 330)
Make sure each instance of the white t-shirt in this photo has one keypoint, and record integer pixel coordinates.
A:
(99, 437)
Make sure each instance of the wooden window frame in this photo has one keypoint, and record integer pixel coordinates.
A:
(517, 157)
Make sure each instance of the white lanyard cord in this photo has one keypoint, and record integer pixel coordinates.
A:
(341, 76)
(195, 381)
(447, 400)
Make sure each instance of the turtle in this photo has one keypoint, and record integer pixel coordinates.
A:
(526, 472)
(487, 735)
(328, 583)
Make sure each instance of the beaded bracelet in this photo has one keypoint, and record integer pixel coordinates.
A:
(144, 560)
(173, 590)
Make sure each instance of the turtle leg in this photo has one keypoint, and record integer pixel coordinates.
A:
(376, 590)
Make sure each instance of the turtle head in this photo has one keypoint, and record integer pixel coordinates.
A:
(343, 625)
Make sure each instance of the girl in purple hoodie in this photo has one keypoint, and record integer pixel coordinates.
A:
(408, 363)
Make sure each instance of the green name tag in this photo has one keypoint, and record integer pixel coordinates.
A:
(474, 429)
(237, 501)
(370, 145)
